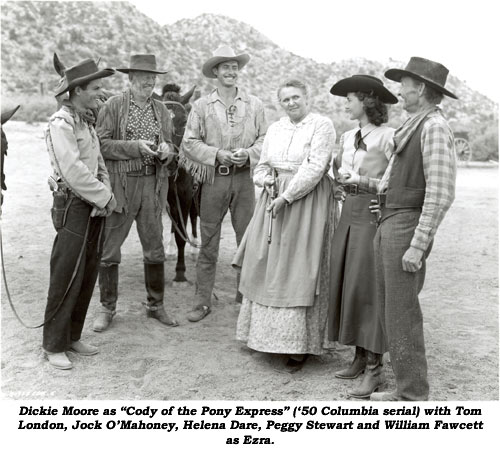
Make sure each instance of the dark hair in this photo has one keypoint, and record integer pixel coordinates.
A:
(171, 96)
(295, 84)
(375, 109)
(83, 86)
(432, 95)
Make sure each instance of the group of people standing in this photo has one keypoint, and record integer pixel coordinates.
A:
(303, 273)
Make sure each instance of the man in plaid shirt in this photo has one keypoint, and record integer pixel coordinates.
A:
(415, 192)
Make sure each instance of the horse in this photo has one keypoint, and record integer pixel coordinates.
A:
(181, 191)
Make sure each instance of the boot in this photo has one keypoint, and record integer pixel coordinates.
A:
(373, 379)
(154, 277)
(239, 297)
(108, 285)
(357, 366)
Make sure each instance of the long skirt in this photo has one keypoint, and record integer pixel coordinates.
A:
(353, 317)
(285, 283)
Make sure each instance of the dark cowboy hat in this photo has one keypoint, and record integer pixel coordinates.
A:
(80, 74)
(223, 53)
(430, 72)
(141, 62)
(7, 115)
(365, 84)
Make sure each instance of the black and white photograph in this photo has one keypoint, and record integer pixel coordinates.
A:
(222, 204)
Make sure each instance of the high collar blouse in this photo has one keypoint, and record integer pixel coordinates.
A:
(304, 149)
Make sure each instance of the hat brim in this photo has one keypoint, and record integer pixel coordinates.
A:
(6, 116)
(127, 70)
(212, 62)
(83, 80)
(355, 84)
(397, 74)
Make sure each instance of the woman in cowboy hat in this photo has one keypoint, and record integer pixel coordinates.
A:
(361, 162)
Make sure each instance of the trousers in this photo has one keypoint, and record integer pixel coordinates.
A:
(141, 208)
(65, 326)
(399, 307)
(236, 193)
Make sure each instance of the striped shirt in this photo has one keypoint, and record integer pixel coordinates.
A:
(440, 172)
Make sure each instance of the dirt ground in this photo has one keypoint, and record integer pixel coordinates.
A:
(141, 359)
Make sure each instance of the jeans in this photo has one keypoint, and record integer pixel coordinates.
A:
(65, 326)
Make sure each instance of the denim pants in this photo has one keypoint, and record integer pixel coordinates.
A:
(65, 326)
(401, 315)
(234, 192)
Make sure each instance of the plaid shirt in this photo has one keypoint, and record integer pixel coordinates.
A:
(440, 172)
(142, 125)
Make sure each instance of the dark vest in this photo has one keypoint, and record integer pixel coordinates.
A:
(406, 187)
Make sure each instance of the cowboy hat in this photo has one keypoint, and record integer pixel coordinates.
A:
(365, 84)
(80, 74)
(7, 115)
(141, 62)
(223, 53)
(430, 72)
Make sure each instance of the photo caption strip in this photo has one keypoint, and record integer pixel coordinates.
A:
(248, 423)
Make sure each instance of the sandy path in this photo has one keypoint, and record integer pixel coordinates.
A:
(141, 359)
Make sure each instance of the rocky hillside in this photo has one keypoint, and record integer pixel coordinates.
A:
(32, 31)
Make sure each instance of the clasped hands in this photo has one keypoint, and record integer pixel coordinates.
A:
(106, 211)
(163, 152)
(238, 157)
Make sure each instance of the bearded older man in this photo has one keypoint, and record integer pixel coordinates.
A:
(416, 191)
(136, 141)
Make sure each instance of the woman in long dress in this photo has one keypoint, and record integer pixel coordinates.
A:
(363, 157)
(285, 282)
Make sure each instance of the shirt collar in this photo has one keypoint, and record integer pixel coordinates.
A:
(308, 118)
(240, 95)
(132, 101)
(367, 128)
(80, 115)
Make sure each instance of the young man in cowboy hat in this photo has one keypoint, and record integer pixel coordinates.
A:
(136, 141)
(417, 189)
(6, 116)
(222, 141)
(82, 197)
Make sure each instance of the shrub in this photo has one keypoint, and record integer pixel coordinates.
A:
(34, 108)
(485, 145)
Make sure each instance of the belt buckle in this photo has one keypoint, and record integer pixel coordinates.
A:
(352, 189)
(149, 170)
(223, 170)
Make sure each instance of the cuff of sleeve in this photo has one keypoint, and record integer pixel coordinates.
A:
(287, 198)
(420, 241)
(364, 184)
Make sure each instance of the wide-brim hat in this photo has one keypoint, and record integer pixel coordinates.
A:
(223, 53)
(142, 62)
(80, 74)
(366, 84)
(7, 115)
(430, 72)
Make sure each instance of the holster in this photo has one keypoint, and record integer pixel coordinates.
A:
(60, 206)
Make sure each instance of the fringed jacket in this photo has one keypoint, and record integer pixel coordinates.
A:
(212, 126)
(122, 156)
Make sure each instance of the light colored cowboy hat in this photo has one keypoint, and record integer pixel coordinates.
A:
(223, 53)
(7, 114)
(142, 62)
(365, 84)
(80, 74)
(430, 72)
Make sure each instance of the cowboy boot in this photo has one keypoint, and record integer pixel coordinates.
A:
(108, 286)
(239, 297)
(373, 379)
(154, 278)
(357, 366)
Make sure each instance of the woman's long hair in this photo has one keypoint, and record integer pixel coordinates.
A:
(375, 109)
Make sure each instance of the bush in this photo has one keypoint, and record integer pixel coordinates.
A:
(485, 145)
(34, 108)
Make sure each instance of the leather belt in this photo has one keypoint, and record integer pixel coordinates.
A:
(146, 170)
(351, 189)
(224, 170)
